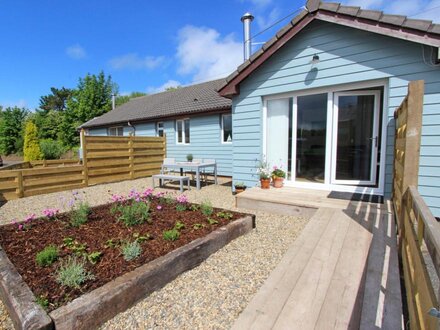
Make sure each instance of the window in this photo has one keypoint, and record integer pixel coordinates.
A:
(159, 128)
(115, 131)
(182, 128)
(226, 128)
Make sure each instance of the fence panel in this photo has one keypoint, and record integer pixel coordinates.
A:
(110, 159)
(418, 231)
(105, 160)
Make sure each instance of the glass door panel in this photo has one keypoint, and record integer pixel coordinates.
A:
(311, 130)
(279, 134)
(355, 134)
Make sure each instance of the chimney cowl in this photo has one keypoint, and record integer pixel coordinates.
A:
(247, 16)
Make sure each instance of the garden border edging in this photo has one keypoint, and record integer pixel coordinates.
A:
(94, 308)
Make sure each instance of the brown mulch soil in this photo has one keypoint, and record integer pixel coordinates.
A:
(22, 246)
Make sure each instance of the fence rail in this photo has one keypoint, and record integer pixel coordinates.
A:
(105, 160)
(418, 230)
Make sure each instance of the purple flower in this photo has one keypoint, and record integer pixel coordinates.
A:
(159, 207)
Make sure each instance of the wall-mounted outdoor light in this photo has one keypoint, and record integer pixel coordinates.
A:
(314, 61)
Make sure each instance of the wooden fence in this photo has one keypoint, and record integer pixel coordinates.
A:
(112, 159)
(418, 230)
(105, 159)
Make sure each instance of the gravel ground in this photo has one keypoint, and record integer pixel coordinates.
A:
(210, 296)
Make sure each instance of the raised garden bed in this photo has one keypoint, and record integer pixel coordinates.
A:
(154, 243)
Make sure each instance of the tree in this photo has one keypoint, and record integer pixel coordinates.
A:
(11, 127)
(31, 147)
(92, 98)
(56, 101)
(48, 123)
(121, 99)
(172, 88)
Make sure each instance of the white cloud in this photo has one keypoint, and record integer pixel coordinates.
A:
(259, 3)
(18, 103)
(205, 54)
(76, 52)
(135, 62)
(264, 21)
(168, 84)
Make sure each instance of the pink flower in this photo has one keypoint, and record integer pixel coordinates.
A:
(160, 194)
(20, 227)
(147, 192)
(30, 217)
(159, 207)
(183, 199)
(50, 213)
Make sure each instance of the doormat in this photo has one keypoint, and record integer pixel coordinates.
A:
(356, 197)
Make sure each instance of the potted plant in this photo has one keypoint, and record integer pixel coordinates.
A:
(278, 176)
(264, 173)
(239, 187)
(189, 157)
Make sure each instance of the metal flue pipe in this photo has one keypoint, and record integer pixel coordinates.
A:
(247, 43)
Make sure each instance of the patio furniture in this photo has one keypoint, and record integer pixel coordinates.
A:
(206, 172)
(167, 161)
(167, 177)
(193, 173)
(198, 167)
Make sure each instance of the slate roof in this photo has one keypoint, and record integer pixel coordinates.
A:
(182, 101)
(417, 30)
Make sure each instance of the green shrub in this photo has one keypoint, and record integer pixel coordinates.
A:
(42, 301)
(31, 148)
(72, 273)
(181, 207)
(51, 149)
(131, 250)
(179, 225)
(198, 226)
(225, 215)
(171, 235)
(134, 213)
(47, 256)
(212, 221)
(79, 216)
(206, 208)
(94, 257)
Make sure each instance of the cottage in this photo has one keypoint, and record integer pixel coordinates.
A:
(317, 99)
(195, 119)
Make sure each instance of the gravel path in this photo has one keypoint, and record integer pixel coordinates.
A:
(210, 296)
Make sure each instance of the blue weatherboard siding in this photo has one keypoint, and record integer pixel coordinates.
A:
(347, 55)
(205, 140)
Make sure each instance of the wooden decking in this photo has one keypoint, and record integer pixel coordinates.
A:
(340, 273)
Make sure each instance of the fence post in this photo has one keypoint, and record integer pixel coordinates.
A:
(20, 188)
(131, 158)
(164, 145)
(413, 134)
(84, 159)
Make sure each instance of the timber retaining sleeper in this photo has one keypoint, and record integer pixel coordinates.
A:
(94, 308)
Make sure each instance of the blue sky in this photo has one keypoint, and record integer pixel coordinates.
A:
(144, 45)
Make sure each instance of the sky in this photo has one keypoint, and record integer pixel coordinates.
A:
(144, 45)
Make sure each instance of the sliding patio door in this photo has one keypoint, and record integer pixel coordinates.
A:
(279, 133)
(355, 138)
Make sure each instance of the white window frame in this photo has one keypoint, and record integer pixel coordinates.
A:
(222, 131)
(158, 129)
(115, 128)
(183, 131)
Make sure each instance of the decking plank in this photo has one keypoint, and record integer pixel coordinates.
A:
(342, 305)
(264, 308)
(310, 290)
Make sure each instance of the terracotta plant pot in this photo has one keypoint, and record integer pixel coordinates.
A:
(265, 183)
(239, 189)
(278, 182)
